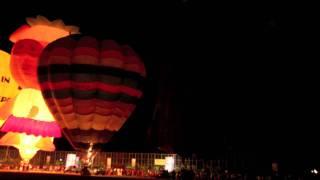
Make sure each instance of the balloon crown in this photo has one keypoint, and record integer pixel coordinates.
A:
(58, 23)
(43, 30)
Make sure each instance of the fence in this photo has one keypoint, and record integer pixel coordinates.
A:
(118, 159)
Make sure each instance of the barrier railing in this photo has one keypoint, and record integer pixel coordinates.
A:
(118, 159)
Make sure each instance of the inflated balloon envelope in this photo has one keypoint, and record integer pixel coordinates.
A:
(29, 41)
(29, 124)
(8, 86)
(43, 30)
(90, 86)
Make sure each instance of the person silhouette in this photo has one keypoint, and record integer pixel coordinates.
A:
(85, 171)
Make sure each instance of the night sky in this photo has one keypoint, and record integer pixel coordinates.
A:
(235, 76)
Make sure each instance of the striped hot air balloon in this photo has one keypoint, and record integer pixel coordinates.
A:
(90, 86)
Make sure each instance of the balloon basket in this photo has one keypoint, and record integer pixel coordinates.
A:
(87, 156)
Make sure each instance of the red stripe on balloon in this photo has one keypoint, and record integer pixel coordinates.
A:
(102, 107)
(85, 51)
(111, 54)
(60, 51)
(87, 86)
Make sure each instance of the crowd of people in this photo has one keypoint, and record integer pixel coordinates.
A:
(178, 174)
(207, 174)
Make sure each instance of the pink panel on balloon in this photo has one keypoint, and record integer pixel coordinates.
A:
(31, 127)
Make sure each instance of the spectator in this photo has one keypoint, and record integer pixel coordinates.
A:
(85, 171)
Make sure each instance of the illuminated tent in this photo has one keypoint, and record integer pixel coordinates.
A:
(90, 86)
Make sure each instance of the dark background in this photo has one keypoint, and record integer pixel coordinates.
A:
(224, 80)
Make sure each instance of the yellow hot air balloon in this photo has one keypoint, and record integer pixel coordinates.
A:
(8, 86)
(30, 126)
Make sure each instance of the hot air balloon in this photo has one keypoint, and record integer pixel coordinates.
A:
(29, 41)
(42, 30)
(8, 86)
(30, 126)
(91, 87)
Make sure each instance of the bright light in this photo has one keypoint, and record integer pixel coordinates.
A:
(169, 165)
(314, 171)
(71, 160)
(27, 153)
(109, 163)
(90, 155)
(30, 103)
(133, 162)
(27, 146)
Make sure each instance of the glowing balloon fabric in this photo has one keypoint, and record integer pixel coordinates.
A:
(8, 86)
(30, 126)
(90, 86)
